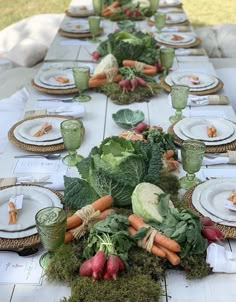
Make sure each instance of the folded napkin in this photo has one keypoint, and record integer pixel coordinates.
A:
(217, 173)
(195, 100)
(220, 259)
(177, 28)
(190, 52)
(216, 159)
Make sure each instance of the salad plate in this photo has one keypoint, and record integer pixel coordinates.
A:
(58, 78)
(35, 198)
(177, 130)
(28, 128)
(176, 38)
(75, 27)
(196, 128)
(80, 11)
(175, 18)
(197, 197)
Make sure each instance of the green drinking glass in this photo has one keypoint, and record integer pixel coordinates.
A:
(81, 77)
(160, 21)
(72, 133)
(154, 4)
(51, 226)
(179, 99)
(98, 6)
(94, 27)
(192, 153)
(167, 56)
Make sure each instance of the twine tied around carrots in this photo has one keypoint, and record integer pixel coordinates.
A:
(89, 217)
(110, 74)
(148, 241)
(139, 66)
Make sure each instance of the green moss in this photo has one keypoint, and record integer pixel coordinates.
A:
(195, 266)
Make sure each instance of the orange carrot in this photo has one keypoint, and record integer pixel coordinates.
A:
(100, 204)
(104, 214)
(12, 213)
(169, 153)
(43, 129)
(103, 74)
(148, 69)
(93, 83)
(68, 237)
(136, 222)
(171, 256)
(155, 250)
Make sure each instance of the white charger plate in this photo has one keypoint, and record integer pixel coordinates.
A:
(167, 38)
(196, 128)
(213, 197)
(29, 127)
(35, 198)
(49, 77)
(175, 18)
(180, 134)
(197, 196)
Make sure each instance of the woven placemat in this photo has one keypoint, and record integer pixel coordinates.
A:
(213, 90)
(194, 44)
(228, 231)
(78, 35)
(26, 242)
(186, 22)
(209, 149)
(77, 15)
(54, 91)
(35, 148)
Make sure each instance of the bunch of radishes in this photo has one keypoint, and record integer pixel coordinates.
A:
(132, 12)
(210, 231)
(130, 84)
(101, 267)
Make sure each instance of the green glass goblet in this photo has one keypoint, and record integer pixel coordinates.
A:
(94, 26)
(51, 226)
(160, 21)
(98, 6)
(179, 99)
(81, 77)
(167, 56)
(154, 4)
(72, 133)
(192, 153)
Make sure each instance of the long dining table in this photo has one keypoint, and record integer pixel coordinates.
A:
(98, 122)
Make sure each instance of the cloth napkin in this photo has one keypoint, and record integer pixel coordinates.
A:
(217, 173)
(190, 52)
(220, 259)
(11, 110)
(179, 28)
(216, 159)
(195, 100)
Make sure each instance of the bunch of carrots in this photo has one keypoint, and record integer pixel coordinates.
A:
(102, 204)
(102, 78)
(110, 9)
(163, 246)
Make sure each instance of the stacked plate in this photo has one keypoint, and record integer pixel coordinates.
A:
(196, 128)
(176, 39)
(80, 11)
(24, 132)
(35, 198)
(210, 198)
(164, 3)
(204, 81)
(75, 26)
(175, 18)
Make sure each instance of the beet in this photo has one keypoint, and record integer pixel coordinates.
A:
(85, 269)
(113, 265)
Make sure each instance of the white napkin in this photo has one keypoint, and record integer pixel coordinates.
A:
(218, 173)
(194, 100)
(11, 109)
(220, 259)
(189, 52)
(57, 180)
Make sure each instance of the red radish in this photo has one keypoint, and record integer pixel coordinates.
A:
(158, 65)
(121, 264)
(144, 84)
(133, 84)
(96, 55)
(140, 127)
(128, 12)
(216, 230)
(113, 264)
(125, 9)
(85, 269)
(125, 85)
(212, 234)
(99, 261)
(136, 12)
(96, 276)
(206, 221)
(106, 276)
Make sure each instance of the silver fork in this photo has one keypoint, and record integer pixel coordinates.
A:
(47, 156)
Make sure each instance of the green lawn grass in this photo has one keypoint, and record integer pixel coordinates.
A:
(200, 12)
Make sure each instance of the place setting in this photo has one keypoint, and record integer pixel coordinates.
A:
(177, 40)
(176, 18)
(82, 11)
(170, 3)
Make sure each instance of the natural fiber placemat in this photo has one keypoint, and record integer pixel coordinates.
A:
(78, 35)
(186, 22)
(209, 149)
(54, 91)
(77, 15)
(35, 148)
(228, 231)
(26, 242)
(215, 89)
(194, 44)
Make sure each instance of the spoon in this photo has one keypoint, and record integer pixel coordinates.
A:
(47, 156)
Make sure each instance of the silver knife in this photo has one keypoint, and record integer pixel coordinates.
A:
(34, 182)
(67, 100)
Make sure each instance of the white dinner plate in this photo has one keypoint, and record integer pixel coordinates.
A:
(196, 128)
(169, 38)
(50, 77)
(175, 18)
(169, 2)
(80, 10)
(213, 198)
(180, 134)
(184, 78)
(197, 197)
(75, 27)
(29, 127)
(35, 198)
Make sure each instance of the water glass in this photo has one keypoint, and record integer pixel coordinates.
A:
(81, 77)
(179, 99)
(167, 56)
(154, 4)
(160, 21)
(94, 27)
(51, 226)
(192, 153)
(72, 133)
(98, 6)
